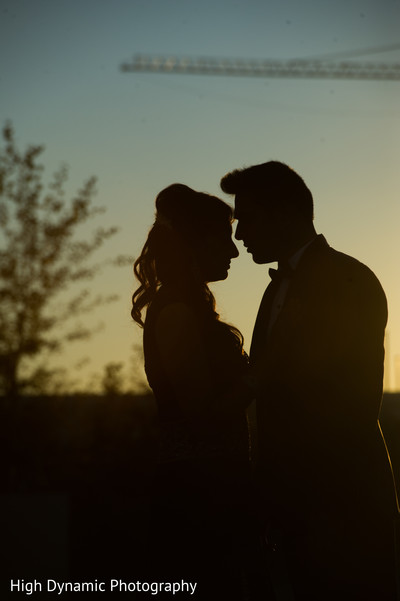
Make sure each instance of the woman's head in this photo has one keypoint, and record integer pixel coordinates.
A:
(198, 227)
(189, 244)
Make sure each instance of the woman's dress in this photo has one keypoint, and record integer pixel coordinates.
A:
(201, 492)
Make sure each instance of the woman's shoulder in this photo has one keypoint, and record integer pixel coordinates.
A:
(168, 305)
(172, 324)
(176, 319)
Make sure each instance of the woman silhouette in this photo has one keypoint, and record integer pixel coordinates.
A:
(197, 369)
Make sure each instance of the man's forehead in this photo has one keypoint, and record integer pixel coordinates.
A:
(245, 203)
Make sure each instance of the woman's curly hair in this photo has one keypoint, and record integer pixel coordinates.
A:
(183, 218)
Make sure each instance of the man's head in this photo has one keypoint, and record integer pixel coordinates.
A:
(274, 209)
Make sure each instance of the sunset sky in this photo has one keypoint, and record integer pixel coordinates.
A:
(61, 86)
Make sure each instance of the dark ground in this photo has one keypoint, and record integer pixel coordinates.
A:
(77, 475)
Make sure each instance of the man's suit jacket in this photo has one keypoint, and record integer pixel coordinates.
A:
(319, 394)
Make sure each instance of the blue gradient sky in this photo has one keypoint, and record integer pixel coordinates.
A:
(60, 85)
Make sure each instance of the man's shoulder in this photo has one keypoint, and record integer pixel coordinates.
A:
(342, 269)
(350, 267)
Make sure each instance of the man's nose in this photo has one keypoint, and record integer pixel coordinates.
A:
(238, 232)
(234, 250)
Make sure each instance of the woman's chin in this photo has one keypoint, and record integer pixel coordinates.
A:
(217, 277)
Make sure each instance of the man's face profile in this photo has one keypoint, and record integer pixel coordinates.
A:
(259, 227)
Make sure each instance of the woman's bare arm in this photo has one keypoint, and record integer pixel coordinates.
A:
(185, 359)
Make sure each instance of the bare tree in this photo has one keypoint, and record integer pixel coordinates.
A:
(40, 257)
(112, 381)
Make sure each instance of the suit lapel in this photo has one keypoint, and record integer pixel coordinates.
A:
(260, 332)
(302, 286)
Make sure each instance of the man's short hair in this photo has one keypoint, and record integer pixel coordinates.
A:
(274, 184)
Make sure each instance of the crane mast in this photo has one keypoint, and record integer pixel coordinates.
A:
(294, 68)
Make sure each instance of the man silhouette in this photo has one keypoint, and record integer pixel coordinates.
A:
(325, 479)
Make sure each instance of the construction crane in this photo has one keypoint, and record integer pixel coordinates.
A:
(321, 68)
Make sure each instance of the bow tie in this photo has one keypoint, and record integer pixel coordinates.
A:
(284, 271)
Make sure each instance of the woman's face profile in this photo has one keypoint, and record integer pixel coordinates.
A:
(214, 253)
